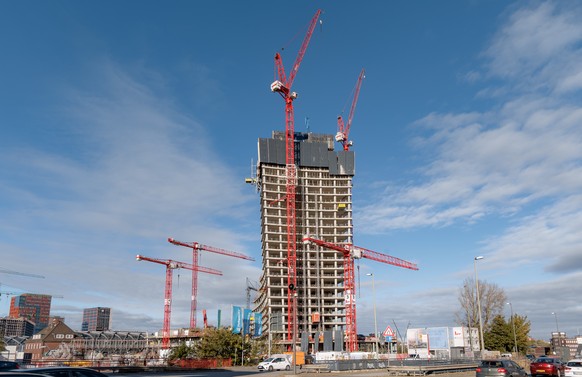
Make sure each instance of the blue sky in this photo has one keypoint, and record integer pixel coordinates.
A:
(124, 123)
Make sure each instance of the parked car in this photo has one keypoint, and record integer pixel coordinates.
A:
(275, 363)
(7, 365)
(64, 372)
(500, 368)
(20, 374)
(573, 368)
(547, 366)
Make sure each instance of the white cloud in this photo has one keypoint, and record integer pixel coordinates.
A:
(517, 163)
(523, 150)
(126, 170)
(534, 38)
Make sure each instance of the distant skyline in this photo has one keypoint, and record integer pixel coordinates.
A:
(125, 123)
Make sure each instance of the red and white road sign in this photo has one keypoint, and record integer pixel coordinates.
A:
(388, 331)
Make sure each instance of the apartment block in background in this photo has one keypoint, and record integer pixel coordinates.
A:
(31, 306)
(96, 319)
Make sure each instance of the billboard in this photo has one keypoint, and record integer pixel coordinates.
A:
(438, 338)
(417, 341)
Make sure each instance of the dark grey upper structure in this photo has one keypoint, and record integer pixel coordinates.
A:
(312, 150)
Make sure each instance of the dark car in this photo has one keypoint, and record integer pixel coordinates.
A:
(20, 374)
(65, 372)
(7, 365)
(500, 368)
(547, 366)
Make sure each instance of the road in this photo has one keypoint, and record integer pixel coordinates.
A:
(250, 371)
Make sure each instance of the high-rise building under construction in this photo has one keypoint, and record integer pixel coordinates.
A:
(323, 210)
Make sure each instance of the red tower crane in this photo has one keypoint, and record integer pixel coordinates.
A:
(343, 131)
(195, 246)
(170, 267)
(283, 87)
(351, 252)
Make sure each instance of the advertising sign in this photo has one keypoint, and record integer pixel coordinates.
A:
(247, 313)
(258, 324)
(237, 322)
(438, 338)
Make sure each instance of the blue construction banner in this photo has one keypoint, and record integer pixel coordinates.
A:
(237, 319)
(258, 324)
(247, 321)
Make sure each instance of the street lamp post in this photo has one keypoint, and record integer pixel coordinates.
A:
(558, 343)
(375, 320)
(513, 325)
(556, 316)
(479, 302)
(294, 332)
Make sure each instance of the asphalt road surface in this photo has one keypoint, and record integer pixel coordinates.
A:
(252, 371)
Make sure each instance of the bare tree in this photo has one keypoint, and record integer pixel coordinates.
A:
(492, 297)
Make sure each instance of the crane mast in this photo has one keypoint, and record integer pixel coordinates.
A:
(170, 267)
(196, 247)
(283, 87)
(351, 252)
(250, 287)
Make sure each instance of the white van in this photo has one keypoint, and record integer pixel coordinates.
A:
(276, 362)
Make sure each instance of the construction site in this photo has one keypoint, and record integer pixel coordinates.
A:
(306, 293)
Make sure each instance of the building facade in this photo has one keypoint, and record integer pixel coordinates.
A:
(323, 211)
(10, 327)
(34, 307)
(567, 348)
(96, 319)
(50, 339)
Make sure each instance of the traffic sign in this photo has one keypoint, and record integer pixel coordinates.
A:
(388, 331)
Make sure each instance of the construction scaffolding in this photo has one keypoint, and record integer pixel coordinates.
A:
(323, 210)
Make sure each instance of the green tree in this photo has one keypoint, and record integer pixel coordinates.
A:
(500, 335)
(182, 352)
(497, 333)
(221, 343)
(522, 329)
